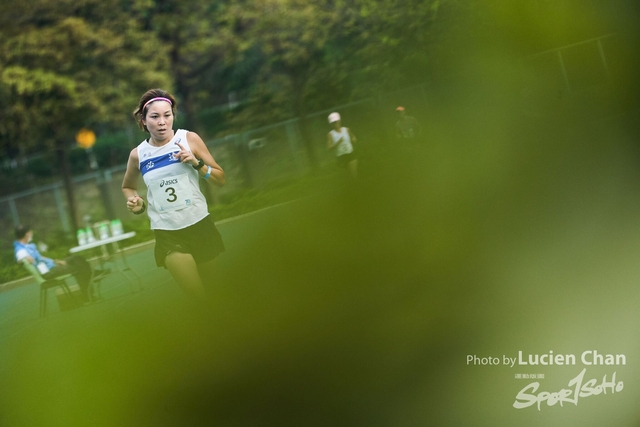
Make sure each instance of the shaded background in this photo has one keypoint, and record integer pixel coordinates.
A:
(513, 227)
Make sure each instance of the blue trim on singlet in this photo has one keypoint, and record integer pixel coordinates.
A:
(159, 162)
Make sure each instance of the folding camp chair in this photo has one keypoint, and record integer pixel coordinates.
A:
(46, 284)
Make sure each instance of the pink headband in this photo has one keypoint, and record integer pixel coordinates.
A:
(156, 99)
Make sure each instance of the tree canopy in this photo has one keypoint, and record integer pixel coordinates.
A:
(69, 65)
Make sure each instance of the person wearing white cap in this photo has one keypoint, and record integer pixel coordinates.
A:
(341, 140)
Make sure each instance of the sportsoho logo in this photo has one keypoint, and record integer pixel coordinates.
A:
(577, 389)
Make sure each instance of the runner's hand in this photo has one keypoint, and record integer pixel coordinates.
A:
(134, 202)
(186, 156)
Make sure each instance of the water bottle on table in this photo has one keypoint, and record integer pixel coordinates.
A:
(82, 237)
(116, 227)
(103, 230)
(90, 237)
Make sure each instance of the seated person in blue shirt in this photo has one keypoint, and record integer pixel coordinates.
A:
(51, 268)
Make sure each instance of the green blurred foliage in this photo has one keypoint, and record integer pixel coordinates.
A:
(311, 56)
(193, 44)
(67, 66)
(503, 231)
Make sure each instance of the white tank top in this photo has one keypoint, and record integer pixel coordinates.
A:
(174, 199)
(345, 146)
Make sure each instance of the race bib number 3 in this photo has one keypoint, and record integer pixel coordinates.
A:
(171, 193)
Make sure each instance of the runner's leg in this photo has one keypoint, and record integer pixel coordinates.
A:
(184, 270)
(208, 272)
(353, 168)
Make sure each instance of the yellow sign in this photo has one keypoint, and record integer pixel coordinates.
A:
(86, 138)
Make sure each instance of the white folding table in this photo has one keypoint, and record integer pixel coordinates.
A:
(106, 257)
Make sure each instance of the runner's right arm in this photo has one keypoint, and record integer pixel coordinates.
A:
(130, 182)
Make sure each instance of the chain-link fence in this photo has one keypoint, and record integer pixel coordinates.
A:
(252, 159)
(571, 74)
(258, 157)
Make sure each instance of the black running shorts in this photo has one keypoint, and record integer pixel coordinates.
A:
(202, 240)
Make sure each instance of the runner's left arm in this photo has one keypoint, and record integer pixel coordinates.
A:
(199, 150)
(352, 136)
